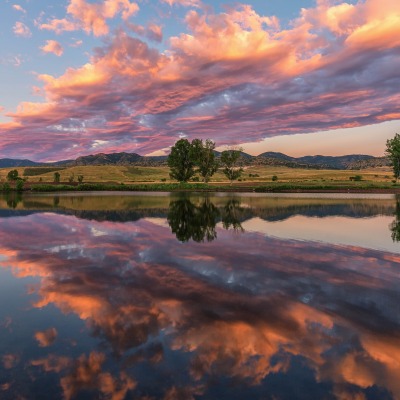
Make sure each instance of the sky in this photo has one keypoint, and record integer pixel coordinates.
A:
(302, 77)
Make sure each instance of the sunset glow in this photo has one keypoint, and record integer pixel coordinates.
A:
(82, 77)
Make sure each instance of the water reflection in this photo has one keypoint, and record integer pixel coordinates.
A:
(198, 222)
(13, 199)
(122, 310)
(395, 225)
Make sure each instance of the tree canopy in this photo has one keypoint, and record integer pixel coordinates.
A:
(181, 161)
(204, 158)
(12, 175)
(230, 162)
(393, 153)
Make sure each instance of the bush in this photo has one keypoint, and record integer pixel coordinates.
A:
(274, 178)
(57, 177)
(20, 185)
(6, 187)
(80, 178)
(163, 179)
(357, 178)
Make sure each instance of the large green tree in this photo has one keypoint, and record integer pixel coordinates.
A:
(12, 175)
(393, 153)
(181, 161)
(204, 158)
(230, 162)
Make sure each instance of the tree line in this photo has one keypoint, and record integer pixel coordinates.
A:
(198, 157)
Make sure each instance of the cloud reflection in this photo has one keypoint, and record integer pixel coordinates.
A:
(249, 311)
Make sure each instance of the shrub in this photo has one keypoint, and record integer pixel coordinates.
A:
(163, 179)
(57, 177)
(274, 178)
(80, 178)
(20, 185)
(6, 187)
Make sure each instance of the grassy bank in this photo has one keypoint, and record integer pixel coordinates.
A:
(255, 178)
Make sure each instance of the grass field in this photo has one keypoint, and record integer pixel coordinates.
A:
(264, 174)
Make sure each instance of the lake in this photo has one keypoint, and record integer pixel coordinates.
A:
(177, 296)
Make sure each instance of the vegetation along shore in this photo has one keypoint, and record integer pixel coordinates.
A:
(196, 166)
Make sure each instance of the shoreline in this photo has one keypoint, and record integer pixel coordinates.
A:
(205, 188)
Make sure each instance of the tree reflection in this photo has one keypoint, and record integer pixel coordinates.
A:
(395, 225)
(230, 216)
(13, 199)
(198, 222)
(189, 221)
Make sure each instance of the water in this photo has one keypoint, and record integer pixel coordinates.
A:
(168, 296)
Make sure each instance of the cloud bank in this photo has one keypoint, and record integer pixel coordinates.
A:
(233, 76)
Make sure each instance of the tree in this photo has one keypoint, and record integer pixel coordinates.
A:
(204, 158)
(12, 175)
(229, 160)
(20, 185)
(80, 178)
(57, 177)
(393, 153)
(181, 161)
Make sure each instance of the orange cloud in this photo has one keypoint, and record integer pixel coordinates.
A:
(47, 337)
(52, 46)
(332, 67)
(20, 29)
(17, 7)
(91, 17)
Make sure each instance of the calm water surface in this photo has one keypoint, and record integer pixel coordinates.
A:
(168, 296)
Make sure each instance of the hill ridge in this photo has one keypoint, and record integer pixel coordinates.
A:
(350, 161)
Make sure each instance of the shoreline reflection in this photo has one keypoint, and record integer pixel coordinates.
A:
(123, 310)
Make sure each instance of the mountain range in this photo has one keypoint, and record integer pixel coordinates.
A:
(353, 161)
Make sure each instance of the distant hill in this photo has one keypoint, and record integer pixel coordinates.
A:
(354, 161)
(11, 163)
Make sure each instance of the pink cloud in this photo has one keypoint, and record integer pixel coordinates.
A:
(231, 76)
(91, 17)
(185, 3)
(151, 31)
(17, 7)
(76, 43)
(20, 29)
(52, 46)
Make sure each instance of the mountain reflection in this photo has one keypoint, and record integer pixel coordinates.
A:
(122, 310)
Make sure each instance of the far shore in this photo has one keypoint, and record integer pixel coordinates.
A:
(258, 179)
(208, 188)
